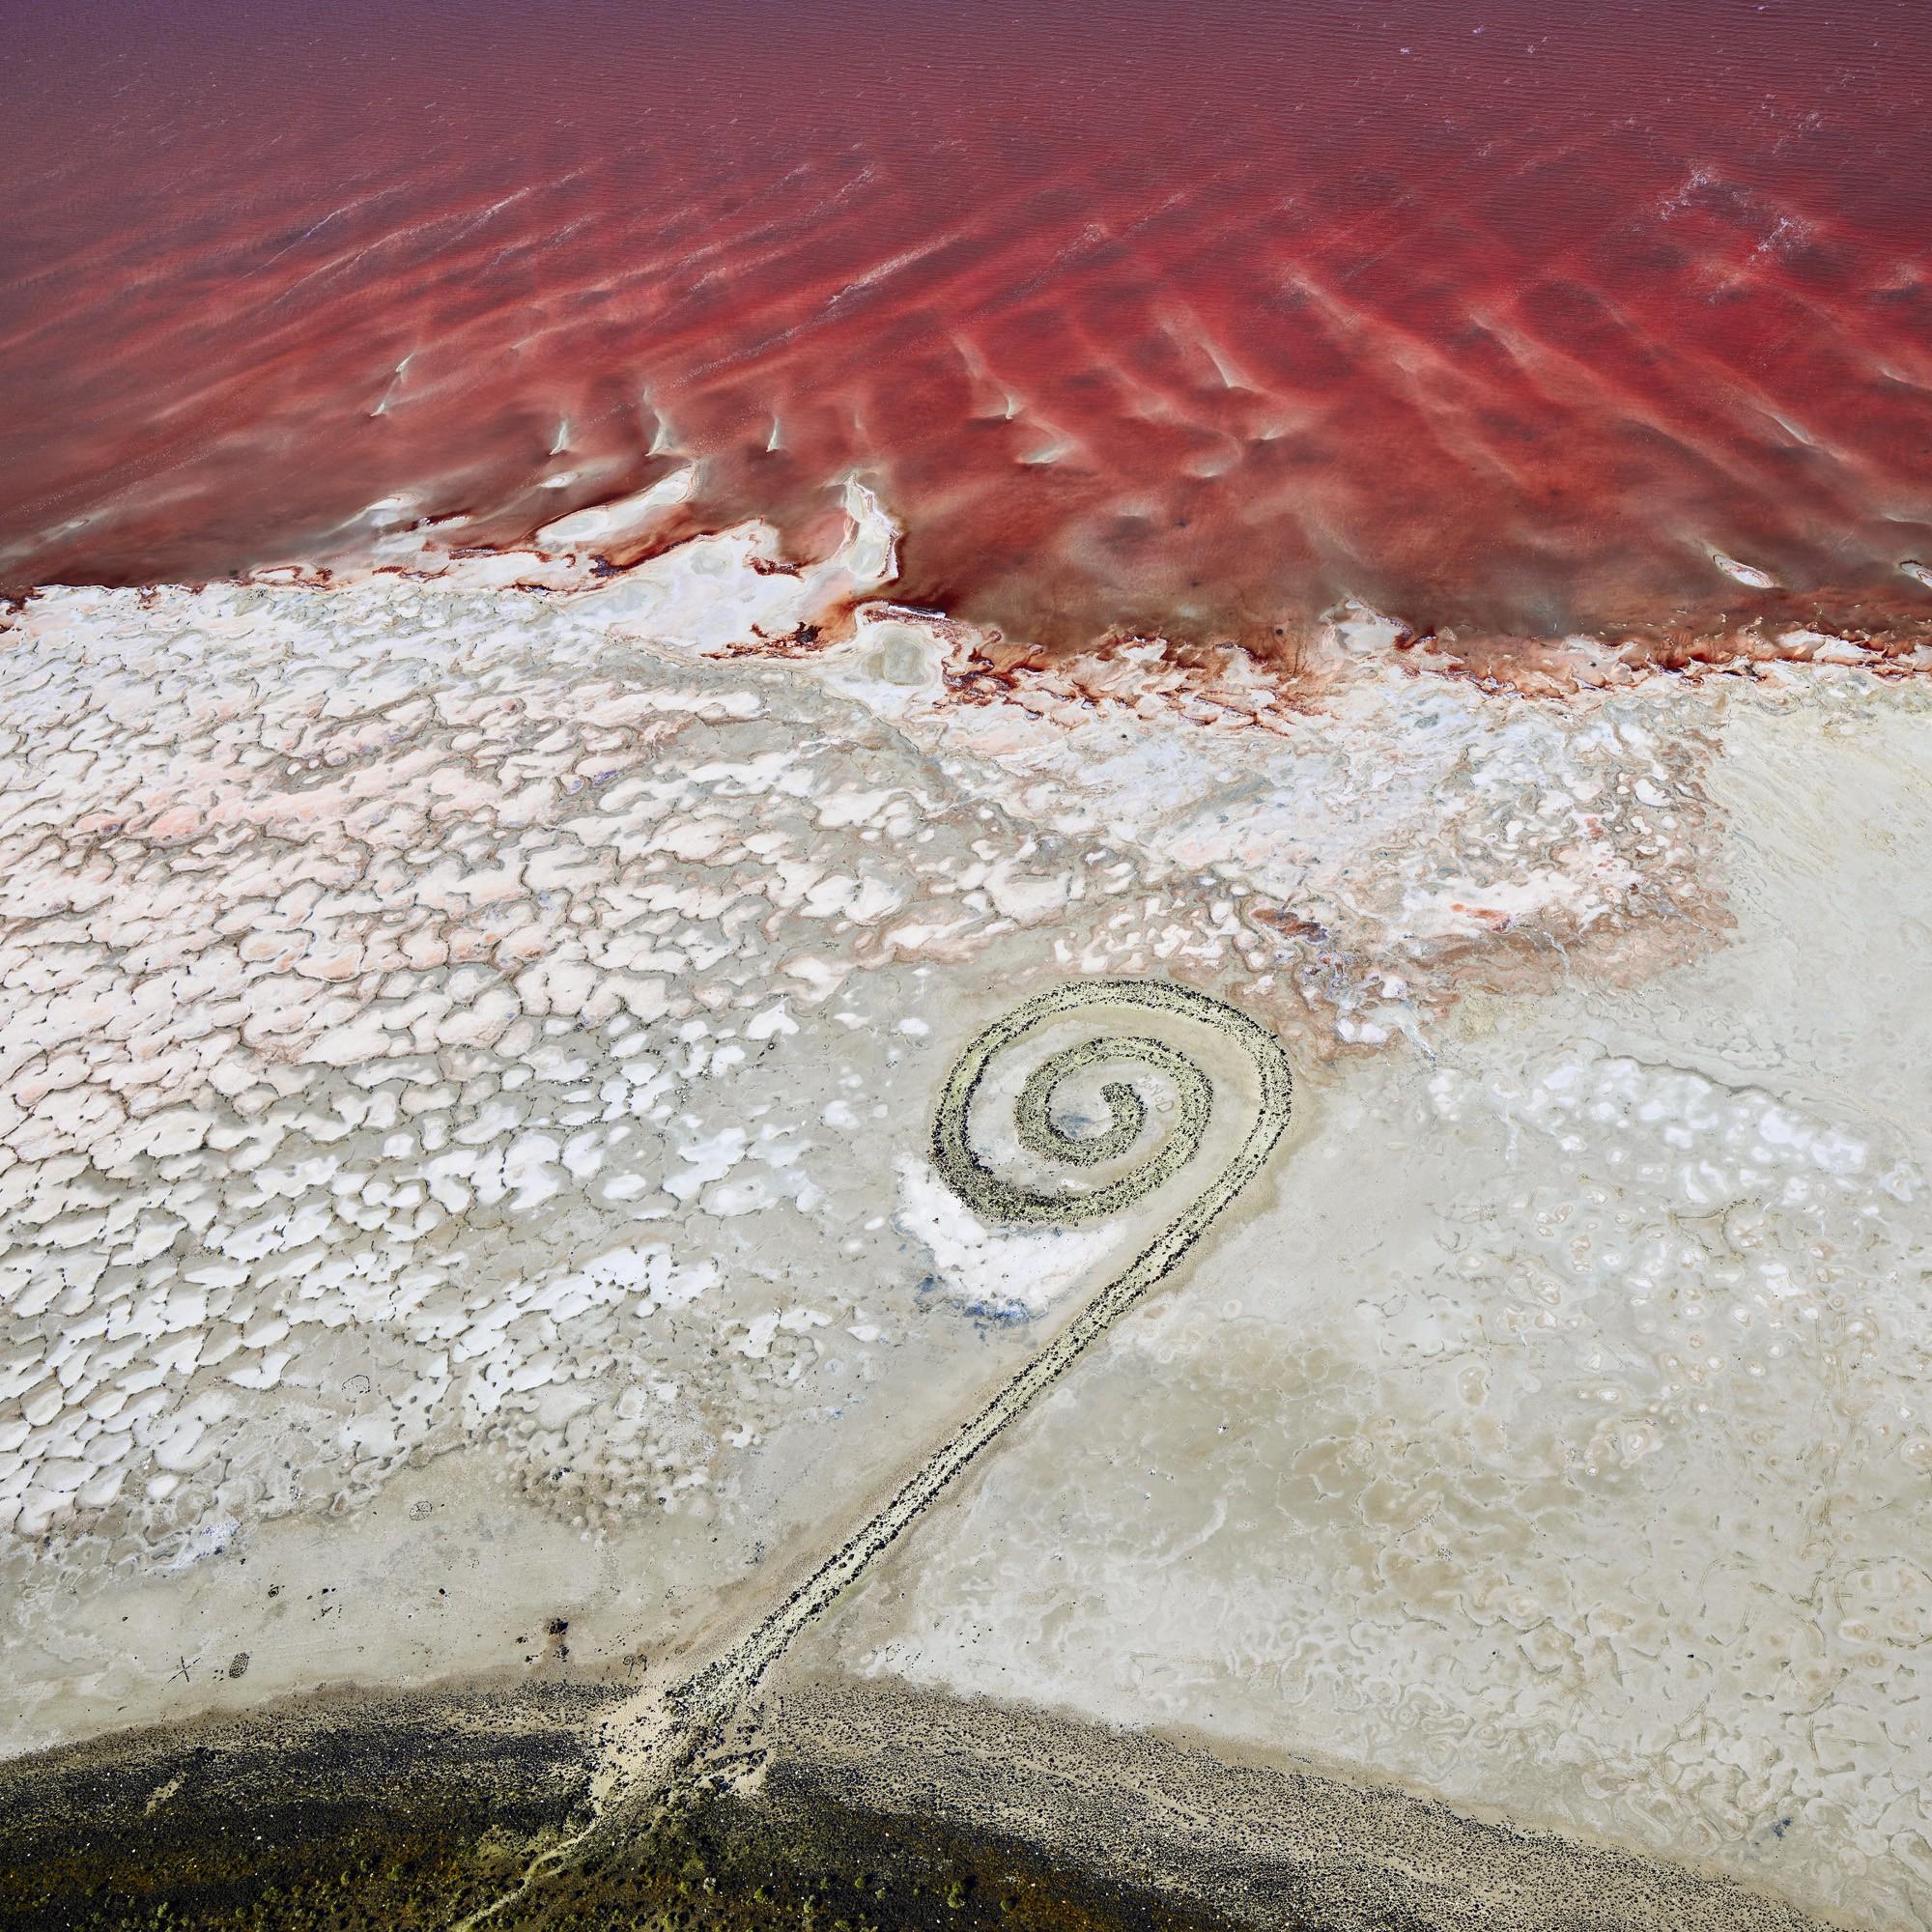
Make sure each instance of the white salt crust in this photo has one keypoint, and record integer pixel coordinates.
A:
(388, 966)
(449, 1024)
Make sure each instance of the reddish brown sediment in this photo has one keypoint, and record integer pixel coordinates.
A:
(1508, 326)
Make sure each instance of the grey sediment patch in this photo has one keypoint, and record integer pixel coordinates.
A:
(370, 1814)
(877, 1807)
(1213, 1841)
(351, 1808)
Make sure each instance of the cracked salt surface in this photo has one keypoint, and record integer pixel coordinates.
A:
(465, 1075)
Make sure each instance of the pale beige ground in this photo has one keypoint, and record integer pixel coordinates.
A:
(1559, 1438)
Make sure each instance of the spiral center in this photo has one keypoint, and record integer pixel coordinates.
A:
(994, 1197)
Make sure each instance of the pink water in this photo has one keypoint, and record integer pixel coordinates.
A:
(1498, 316)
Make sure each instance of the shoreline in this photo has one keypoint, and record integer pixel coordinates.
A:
(385, 1811)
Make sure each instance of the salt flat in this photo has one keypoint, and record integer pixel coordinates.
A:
(466, 1074)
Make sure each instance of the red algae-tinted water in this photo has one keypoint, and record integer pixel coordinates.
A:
(1516, 318)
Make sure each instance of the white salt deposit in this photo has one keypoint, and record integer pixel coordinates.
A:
(466, 1067)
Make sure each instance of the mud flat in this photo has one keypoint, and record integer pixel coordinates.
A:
(360, 1809)
(367, 1812)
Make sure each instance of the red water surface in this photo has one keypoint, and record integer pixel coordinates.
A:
(1496, 314)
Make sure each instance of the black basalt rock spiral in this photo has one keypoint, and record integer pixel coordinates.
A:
(996, 1199)
(665, 1742)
